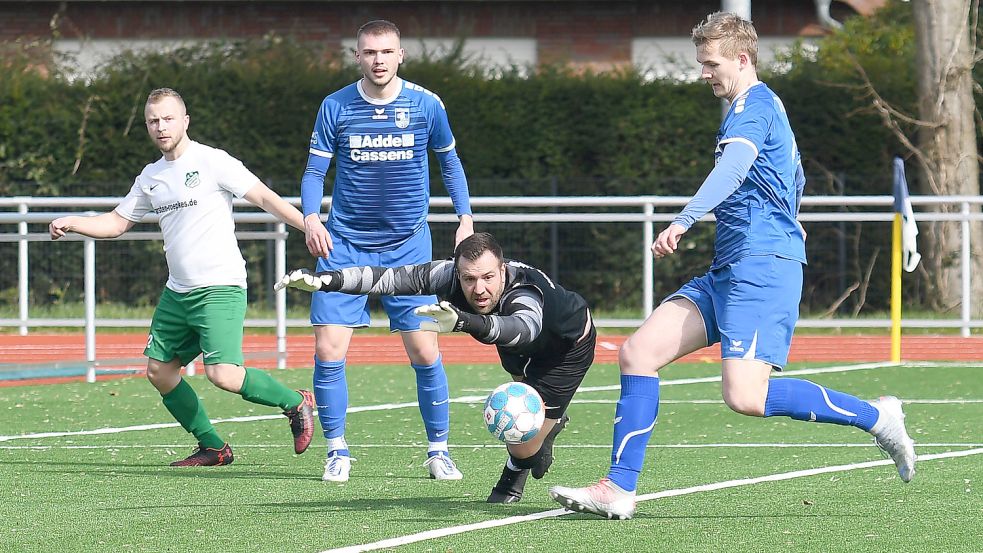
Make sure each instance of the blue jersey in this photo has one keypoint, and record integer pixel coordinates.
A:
(381, 192)
(759, 217)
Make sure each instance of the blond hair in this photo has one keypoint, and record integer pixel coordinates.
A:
(732, 34)
(159, 94)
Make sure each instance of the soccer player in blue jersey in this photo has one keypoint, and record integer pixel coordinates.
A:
(378, 131)
(749, 299)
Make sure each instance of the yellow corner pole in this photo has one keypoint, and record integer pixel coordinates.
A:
(896, 291)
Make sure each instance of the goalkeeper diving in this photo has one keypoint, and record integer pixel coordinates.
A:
(544, 333)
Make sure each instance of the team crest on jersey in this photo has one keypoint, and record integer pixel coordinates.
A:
(192, 179)
(402, 117)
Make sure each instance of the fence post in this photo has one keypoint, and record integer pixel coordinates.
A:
(965, 255)
(280, 255)
(554, 236)
(89, 255)
(648, 280)
(23, 290)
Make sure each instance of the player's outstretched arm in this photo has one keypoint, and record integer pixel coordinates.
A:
(105, 225)
(304, 279)
(434, 277)
(269, 201)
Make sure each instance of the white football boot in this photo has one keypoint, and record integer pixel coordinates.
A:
(604, 498)
(442, 467)
(337, 467)
(891, 436)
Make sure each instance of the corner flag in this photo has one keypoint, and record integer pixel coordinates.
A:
(904, 252)
(902, 206)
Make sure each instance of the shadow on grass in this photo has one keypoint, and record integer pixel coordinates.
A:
(161, 469)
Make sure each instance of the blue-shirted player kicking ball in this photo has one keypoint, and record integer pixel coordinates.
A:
(749, 299)
(378, 131)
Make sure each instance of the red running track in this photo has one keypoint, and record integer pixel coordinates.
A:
(461, 349)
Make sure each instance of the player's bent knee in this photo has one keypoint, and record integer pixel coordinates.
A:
(421, 347)
(224, 376)
(637, 359)
(525, 462)
(163, 376)
(330, 352)
(527, 450)
(745, 404)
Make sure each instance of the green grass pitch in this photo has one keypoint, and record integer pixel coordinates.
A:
(78, 490)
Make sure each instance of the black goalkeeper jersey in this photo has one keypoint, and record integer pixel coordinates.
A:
(535, 324)
(564, 317)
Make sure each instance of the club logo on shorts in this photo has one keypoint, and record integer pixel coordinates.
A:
(402, 117)
(191, 179)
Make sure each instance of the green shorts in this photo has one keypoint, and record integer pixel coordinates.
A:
(206, 321)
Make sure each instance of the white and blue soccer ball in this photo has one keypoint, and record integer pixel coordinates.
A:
(514, 412)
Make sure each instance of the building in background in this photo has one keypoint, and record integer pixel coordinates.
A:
(599, 35)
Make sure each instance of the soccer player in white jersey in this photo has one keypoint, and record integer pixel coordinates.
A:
(749, 299)
(203, 304)
(378, 130)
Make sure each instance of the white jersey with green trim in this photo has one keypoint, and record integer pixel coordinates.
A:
(193, 197)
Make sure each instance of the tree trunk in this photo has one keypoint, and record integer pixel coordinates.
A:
(949, 160)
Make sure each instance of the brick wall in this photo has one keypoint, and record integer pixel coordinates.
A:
(585, 32)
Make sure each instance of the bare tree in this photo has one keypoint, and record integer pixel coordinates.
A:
(946, 153)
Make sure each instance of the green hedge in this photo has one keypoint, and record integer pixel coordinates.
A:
(554, 132)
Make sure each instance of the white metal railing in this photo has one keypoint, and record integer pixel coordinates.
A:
(637, 209)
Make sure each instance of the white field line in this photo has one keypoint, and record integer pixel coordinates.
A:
(498, 446)
(390, 406)
(554, 513)
(721, 402)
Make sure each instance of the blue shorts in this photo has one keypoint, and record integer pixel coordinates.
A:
(749, 306)
(335, 308)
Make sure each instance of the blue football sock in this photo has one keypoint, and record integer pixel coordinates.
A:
(432, 394)
(338, 446)
(807, 401)
(331, 395)
(634, 420)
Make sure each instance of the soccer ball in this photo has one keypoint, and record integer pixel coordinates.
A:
(514, 412)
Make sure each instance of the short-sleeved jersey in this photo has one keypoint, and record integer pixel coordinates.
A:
(382, 182)
(759, 217)
(193, 197)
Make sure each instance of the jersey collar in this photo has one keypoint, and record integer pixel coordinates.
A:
(379, 101)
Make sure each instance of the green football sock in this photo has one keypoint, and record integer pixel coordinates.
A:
(186, 408)
(259, 387)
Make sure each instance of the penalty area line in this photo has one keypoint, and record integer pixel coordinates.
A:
(554, 513)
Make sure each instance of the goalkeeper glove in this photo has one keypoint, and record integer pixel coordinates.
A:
(446, 317)
(304, 279)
